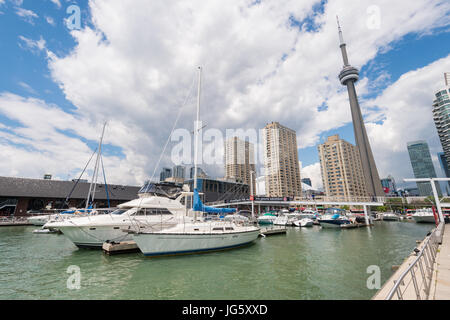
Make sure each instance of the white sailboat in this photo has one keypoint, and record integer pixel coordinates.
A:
(195, 236)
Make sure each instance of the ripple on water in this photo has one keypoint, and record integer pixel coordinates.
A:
(306, 263)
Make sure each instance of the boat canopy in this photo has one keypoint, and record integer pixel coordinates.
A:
(199, 206)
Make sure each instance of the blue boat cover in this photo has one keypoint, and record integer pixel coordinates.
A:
(335, 216)
(199, 206)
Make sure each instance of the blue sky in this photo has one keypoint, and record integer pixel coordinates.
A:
(26, 72)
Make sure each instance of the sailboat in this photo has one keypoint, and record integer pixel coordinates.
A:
(197, 235)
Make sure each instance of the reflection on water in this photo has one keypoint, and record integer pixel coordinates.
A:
(306, 263)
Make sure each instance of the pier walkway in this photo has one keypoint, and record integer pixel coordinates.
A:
(425, 273)
(440, 283)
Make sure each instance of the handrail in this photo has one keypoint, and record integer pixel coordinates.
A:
(424, 262)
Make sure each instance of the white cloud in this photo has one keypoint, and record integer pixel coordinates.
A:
(134, 67)
(32, 45)
(57, 3)
(406, 106)
(27, 15)
(47, 141)
(50, 20)
(27, 87)
(313, 172)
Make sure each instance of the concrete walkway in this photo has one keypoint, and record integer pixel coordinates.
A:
(440, 283)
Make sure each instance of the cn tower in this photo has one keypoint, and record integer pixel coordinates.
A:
(348, 76)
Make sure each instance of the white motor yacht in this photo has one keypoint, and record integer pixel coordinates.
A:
(390, 216)
(334, 218)
(424, 216)
(305, 222)
(150, 210)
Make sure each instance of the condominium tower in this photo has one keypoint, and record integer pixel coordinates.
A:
(422, 165)
(441, 116)
(240, 161)
(281, 164)
(341, 169)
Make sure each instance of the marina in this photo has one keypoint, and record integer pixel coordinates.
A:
(305, 263)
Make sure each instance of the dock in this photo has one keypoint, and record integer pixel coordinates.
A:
(112, 248)
(440, 282)
(269, 231)
(13, 222)
(425, 273)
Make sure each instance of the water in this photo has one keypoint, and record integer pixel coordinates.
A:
(307, 263)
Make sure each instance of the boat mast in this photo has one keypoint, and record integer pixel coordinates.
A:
(95, 175)
(196, 126)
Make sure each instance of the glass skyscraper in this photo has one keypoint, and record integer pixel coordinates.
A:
(422, 165)
(441, 116)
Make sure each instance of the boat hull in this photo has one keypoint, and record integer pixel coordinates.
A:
(87, 237)
(160, 244)
(333, 223)
(424, 219)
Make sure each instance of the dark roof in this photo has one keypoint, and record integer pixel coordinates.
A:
(39, 188)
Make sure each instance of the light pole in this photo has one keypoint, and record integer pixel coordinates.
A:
(435, 194)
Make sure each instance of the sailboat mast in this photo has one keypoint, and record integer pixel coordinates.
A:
(197, 127)
(94, 176)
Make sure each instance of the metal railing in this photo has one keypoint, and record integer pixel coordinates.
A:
(420, 272)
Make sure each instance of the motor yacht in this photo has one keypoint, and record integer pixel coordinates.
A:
(151, 210)
(424, 216)
(333, 218)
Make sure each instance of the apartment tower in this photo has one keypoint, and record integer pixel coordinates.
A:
(240, 161)
(281, 164)
(341, 169)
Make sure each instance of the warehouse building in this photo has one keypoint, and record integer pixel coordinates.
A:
(19, 196)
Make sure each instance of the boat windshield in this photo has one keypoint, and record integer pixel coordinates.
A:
(118, 211)
(334, 211)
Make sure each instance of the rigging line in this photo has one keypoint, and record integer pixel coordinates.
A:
(104, 177)
(78, 180)
(170, 136)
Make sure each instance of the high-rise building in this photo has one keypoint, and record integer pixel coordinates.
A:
(441, 116)
(179, 172)
(422, 165)
(240, 161)
(444, 166)
(165, 173)
(281, 164)
(341, 169)
(307, 181)
(200, 173)
(348, 76)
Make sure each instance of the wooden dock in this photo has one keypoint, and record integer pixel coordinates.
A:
(8, 222)
(111, 248)
(268, 231)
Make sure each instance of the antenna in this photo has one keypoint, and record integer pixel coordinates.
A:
(341, 37)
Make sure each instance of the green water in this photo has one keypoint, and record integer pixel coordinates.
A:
(307, 263)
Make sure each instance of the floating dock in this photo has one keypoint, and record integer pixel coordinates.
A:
(111, 248)
(14, 223)
(268, 231)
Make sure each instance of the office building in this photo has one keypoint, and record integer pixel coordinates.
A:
(165, 173)
(422, 165)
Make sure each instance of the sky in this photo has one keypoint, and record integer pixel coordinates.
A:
(69, 66)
